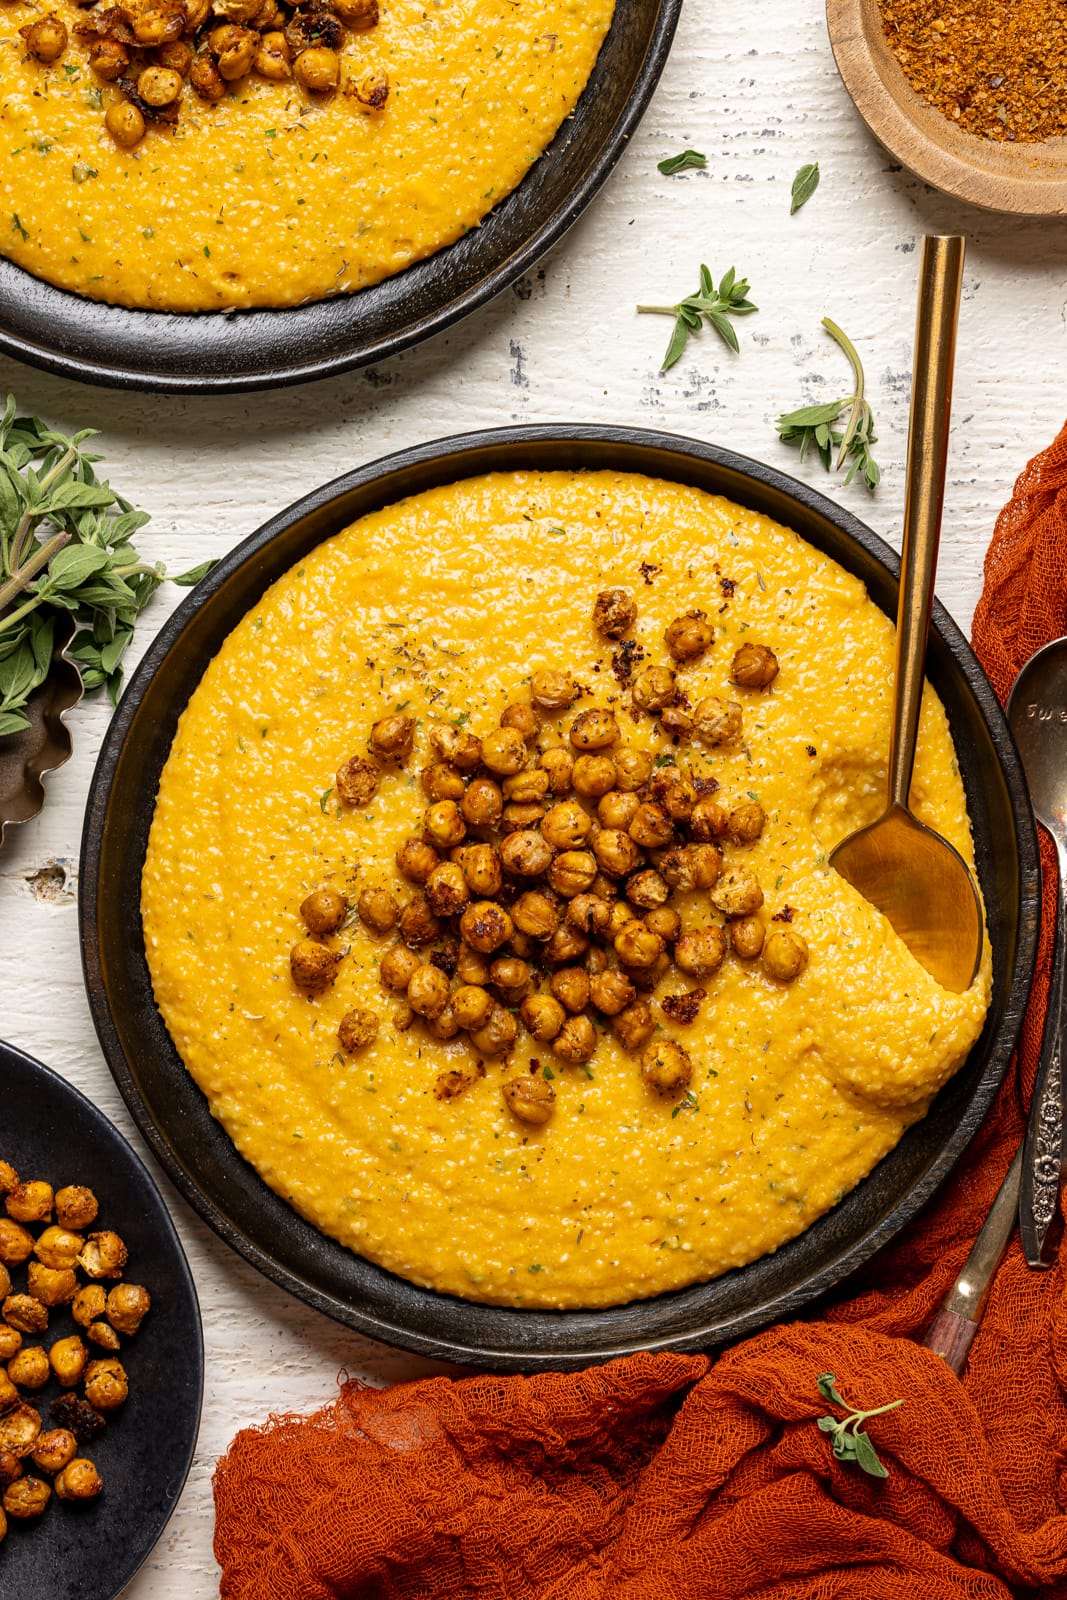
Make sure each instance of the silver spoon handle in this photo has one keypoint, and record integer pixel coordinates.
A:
(940, 283)
(1040, 1222)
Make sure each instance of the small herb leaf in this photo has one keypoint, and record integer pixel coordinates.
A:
(682, 162)
(804, 186)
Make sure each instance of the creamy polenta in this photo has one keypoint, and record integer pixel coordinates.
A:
(277, 195)
(442, 607)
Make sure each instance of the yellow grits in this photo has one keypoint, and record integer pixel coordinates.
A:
(444, 604)
(276, 196)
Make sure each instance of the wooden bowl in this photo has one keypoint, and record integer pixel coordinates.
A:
(1027, 180)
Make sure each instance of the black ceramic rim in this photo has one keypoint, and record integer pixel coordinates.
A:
(221, 352)
(227, 1192)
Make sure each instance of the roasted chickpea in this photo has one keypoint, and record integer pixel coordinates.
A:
(155, 25)
(442, 781)
(483, 803)
(637, 946)
(356, 780)
(565, 825)
(416, 859)
(47, 39)
(552, 689)
(481, 869)
(589, 912)
(595, 729)
(558, 762)
(25, 1313)
(665, 921)
(68, 1358)
(76, 1207)
(471, 1006)
(452, 744)
(55, 1448)
(620, 914)
(524, 721)
(26, 1498)
(58, 1248)
(675, 865)
(402, 1017)
(5, 1281)
(651, 826)
(710, 820)
(177, 55)
(103, 1335)
(526, 854)
(10, 1468)
(746, 937)
(485, 926)
(616, 852)
(526, 788)
(593, 776)
(128, 1304)
(530, 1100)
(647, 890)
(89, 1304)
(159, 86)
(536, 915)
(572, 872)
(676, 720)
(675, 792)
(9, 1178)
(567, 944)
(717, 721)
(497, 1034)
(29, 1369)
(471, 966)
(611, 992)
(9, 1395)
(378, 910)
(666, 1067)
(511, 978)
(234, 49)
(737, 893)
(543, 1016)
(517, 817)
(634, 1026)
(504, 751)
(446, 890)
(318, 69)
(312, 966)
(785, 954)
(444, 824)
(10, 1342)
(397, 965)
(273, 57)
(614, 612)
(324, 911)
(428, 991)
(654, 688)
(106, 1384)
(445, 1025)
(689, 636)
(633, 769)
(705, 861)
(746, 822)
(19, 1430)
(754, 666)
(109, 58)
(359, 15)
(616, 809)
(30, 1202)
(570, 986)
(700, 953)
(576, 1040)
(418, 925)
(356, 1029)
(50, 1286)
(79, 1480)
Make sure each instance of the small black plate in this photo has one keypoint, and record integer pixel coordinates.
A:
(173, 1114)
(48, 1130)
(214, 352)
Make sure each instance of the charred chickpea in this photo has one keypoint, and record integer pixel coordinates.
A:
(30, 1202)
(442, 781)
(543, 1016)
(19, 1429)
(9, 1395)
(485, 926)
(634, 1026)
(594, 730)
(511, 978)
(318, 69)
(104, 1336)
(526, 788)
(705, 863)
(654, 688)
(497, 1034)
(565, 825)
(566, 945)
(504, 751)
(159, 86)
(553, 690)
(418, 925)
(109, 58)
(746, 937)
(616, 809)
(26, 1498)
(54, 1449)
(614, 612)
(558, 762)
(590, 913)
(576, 1041)
(616, 852)
(273, 57)
(16, 1244)
(398, 963)
(526, 854)
(570, 986)
(746, 822)
(446, 890)
(700, 953)
(104, 1255)
(89, 1304)
(675, 793)
(177, 55)
(666, 1067)
(737, 893)
(523, 719)
(593, 776)
(536, 915)
(79, 1480)
(444, 824)
(68, 1358)
(483, 803)
(324, 911)
(754, 666)
(29, 1368)
(717, 721)
(377, 910)
(356, 1029)
(357, 779)
(452, 744)
(676, 720)
(675, 865)
(10, 1342)
(688, 637)
(611, 992)
(312, 966)
(471, 1005)
(428, 991)
(572, 872)
(785, 955)
(637, 946)
(25, 1313)
(481, 870)
(47, 39)
(234, 49)
(106, 1384)
(530, 1100)
(665, 921)
(633, 768)
(49, 1286)
(196, 14)
(10, 1468)
(651, 826)
(710, 820)
(647, 890)
(416, 859)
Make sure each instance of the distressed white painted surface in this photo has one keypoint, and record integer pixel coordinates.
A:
(756, 88)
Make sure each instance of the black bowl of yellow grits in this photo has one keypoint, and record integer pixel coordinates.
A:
(473, 1319)
(287, 241)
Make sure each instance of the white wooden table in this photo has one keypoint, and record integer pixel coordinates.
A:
(755, 88)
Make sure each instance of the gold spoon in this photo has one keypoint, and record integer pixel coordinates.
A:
(913, 875)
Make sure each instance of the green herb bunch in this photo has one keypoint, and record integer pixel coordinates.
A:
(850, 1441)
(814, 425)
(717, 306)
(65, 562)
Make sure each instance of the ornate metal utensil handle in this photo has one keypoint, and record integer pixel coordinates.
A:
(1040, 1220)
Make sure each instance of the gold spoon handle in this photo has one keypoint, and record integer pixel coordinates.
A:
(940, 282)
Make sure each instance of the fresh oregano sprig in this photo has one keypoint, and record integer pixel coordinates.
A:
(850, 1441)
(814, 425)
(65, 557)
(716, 306)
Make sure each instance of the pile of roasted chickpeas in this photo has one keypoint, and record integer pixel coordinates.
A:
(103, 1308)
(153, 48)
(546, 869)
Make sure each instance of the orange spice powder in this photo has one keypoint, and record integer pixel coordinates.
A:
(997, 68)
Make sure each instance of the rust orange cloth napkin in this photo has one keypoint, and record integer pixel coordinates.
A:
(669, 1478)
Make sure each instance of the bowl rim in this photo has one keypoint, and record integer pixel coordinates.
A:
(430, 457)
(440, 269)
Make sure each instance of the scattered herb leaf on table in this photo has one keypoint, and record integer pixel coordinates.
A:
(850, 1441)
(682, 162)
(804, 186)
(730, 299)
(813, 425)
